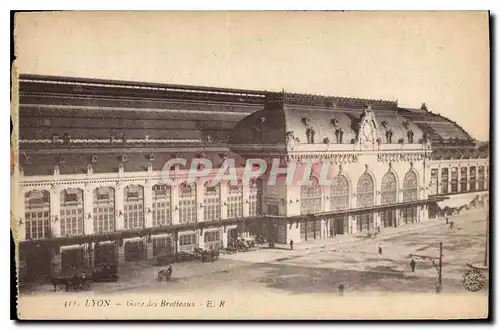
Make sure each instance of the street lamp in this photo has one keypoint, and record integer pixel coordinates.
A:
(439, 266)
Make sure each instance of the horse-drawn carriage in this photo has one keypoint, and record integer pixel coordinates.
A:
(207, 255)
(82, 279)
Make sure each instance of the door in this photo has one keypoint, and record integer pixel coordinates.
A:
(162, 245)
(339, 225)
(134, 251)
(70, 258)
(105, 253)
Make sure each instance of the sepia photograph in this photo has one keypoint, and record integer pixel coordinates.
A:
(251, 165)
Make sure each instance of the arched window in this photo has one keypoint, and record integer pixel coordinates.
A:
(104, 209)
(211, 202)
(410, 193)
(463, 178)
(162, 212)
(339, 200)
(310, 198)
(472, 178)
(71, 212)
(481, 178)
(389, 195)
(444, 181)
(389, 189)
(366, 196)
(255, 197)
(234, 200)
(37, 214)
(187, 203)
(434, 182)
(339, 193)
(454, 180)
(133, 204)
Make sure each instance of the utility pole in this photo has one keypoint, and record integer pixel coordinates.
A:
(439, 266)
(487, 243)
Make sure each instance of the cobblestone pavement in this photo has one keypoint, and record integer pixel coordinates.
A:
(320, 266)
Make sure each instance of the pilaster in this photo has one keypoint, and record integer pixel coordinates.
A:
(88, 204)
(148, 204)
(55, 207)
(119, 206)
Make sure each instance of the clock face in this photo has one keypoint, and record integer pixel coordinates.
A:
(367, 130)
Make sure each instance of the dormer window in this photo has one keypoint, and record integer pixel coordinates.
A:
(406, 124)
(124, 158)
(67, 138)
(310, 135)
(388, 136)
(93, 159)
(27, 159)
(305, 121)
(384, 123)
(55, 138)
(334, 121)
(339, 134)
(410, 136)
(62, 160)
(151, 157)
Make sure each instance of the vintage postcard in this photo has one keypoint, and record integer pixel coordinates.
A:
(251, 165)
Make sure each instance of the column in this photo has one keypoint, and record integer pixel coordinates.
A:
(468, 177)
(246, 200)
(175, 204)
(439, 190)
(88, 209)
(55, 203)
(200, 193)
(459, 177)
(223, 200)
(352, 219)
(224, 237)
(449, 178)
(148, 205)
(20, 213)
(119, 206)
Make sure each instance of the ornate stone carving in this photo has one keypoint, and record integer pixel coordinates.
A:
(367, 133)
(291, 140)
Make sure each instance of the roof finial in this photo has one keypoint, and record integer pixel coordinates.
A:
(424, 106)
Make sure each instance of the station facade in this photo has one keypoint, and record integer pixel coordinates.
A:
(90, 177)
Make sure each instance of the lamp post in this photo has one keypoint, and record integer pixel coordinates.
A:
(438, 266)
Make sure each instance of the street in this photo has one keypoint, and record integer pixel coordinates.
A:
(320, 267)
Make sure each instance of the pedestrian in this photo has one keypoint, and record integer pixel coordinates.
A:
(412, 265)
(378, 228)
(291, 244)
(451, 225)
(446, 220)
(331, 231)
(341, 289)
(380, 249)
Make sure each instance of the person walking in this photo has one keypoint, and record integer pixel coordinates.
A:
(291, 244)
(380, 249)
(446, 220)
(412, 265)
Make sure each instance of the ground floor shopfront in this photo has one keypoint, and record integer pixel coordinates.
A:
(61, 254)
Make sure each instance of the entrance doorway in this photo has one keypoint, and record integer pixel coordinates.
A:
(389, 218)
(105, 253)
(338, 225)
(134, 251)
(71, 258)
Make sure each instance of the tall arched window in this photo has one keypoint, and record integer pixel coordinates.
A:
(211, 202)
(472, 178)
(365, 198)
(454, 180)
(339, 200)
(37, 214)
(463, 178)
(389, 195)
(255, 197)
(104, 210)
(310, 203)
(310, 198)
(133, 204)
(187, 203)
(410, 193)
(162, 212)
(444, 181)
(481, 178)
(71, 212)
(434, 181)
(234, 200)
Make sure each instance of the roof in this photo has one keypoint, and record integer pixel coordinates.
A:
(271, 125)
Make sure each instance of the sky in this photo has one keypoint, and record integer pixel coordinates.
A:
(440, 58)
